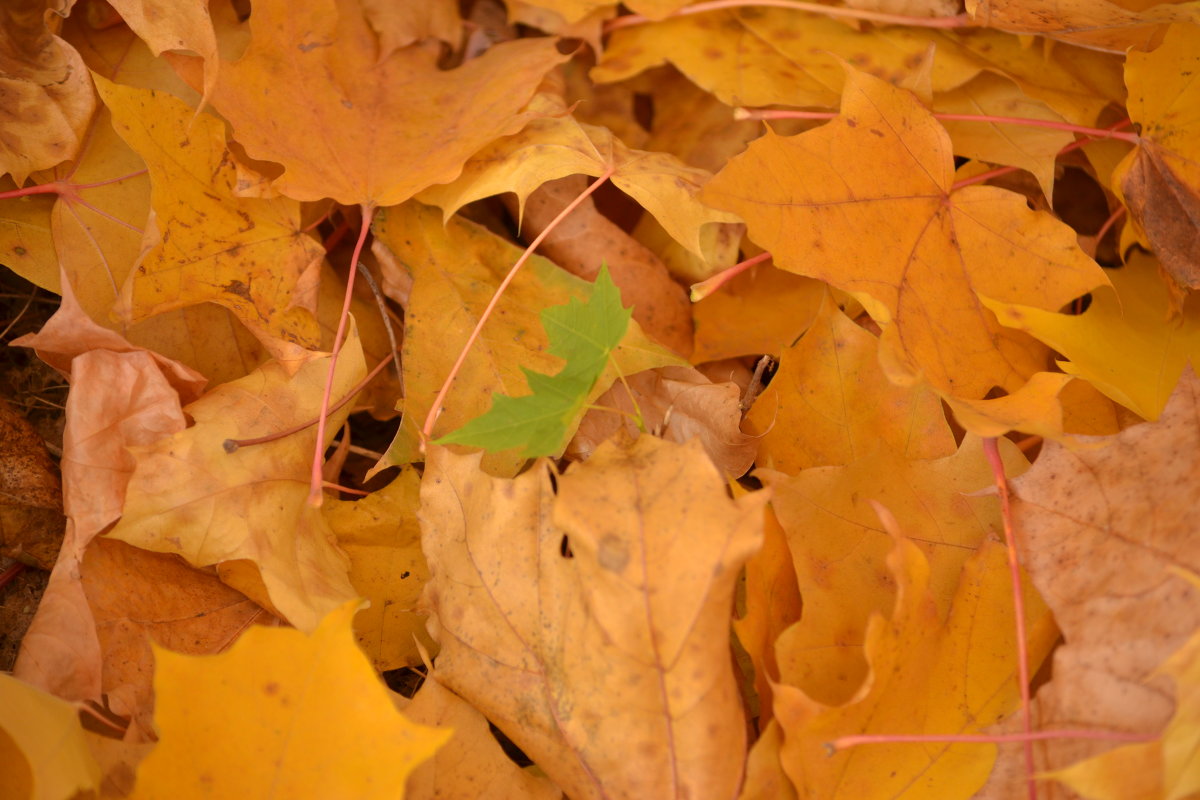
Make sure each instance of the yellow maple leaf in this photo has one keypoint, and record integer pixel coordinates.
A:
(867, 203)
(312, 93)
(839, 549)
(247, 254)
(189, 495)
(592, 624)
(280, 714)
(830, 403)
(929, 674)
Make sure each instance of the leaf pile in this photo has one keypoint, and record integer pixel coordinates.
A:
(748, 546)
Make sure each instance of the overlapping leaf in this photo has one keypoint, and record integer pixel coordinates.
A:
(312, 94)
(541, 642)
(884, 165)
(260, 719)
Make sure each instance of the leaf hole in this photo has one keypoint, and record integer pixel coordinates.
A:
(564, 547)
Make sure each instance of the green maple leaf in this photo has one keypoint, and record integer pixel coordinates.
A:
(584, 334)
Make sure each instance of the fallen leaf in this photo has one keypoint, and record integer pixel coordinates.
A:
(260, 718)
(168, 25)
(445, 305)
(137, 597)
(1127, 343)
(401, 24)
(313, 71)
(839, 549)
(944, 248)
(543, 644)
(782, 306)
(1165, 767)
(1160, 180)
(31, 515)
(773, 603)
(43, 755)
(46, 92)
(471, 765)
(1092, 23)
(830, 403)
(586, 239)
(247, 254)
(584, 335)
(381, 536)
(676, 404)
(191, 496)
(930, 673)
(1097, 529)
(760, 56)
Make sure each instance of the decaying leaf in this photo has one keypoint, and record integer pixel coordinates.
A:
(31, 516)
(280, 713)
(551, 606)
(1160, 180)
(44, 89)
(1098, 528)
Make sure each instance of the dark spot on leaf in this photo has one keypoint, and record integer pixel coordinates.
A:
(404, 574)
(564, 547)
(271, 688)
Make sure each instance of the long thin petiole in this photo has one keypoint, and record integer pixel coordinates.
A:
(1095, 133)
(315, 478)
(960, 21)
(992, 451)
(231, 445)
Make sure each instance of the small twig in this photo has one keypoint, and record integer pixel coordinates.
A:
(21, 313)
(231, 445)
(755, 385)
(709, 285)
(846, 742)
(10, 572)
(381, 304)
(992, 451)
(1030, 122)
(339, 338)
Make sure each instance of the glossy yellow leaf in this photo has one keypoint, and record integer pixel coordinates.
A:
(247, 254)
(931, 672)
(866, 202)
(839, 549)
(591, 623)
(381, 536)
(43, 753)
(1127, 343)
(1160, 180)
(830, 403)
(280, 714)
(311, 93)
(444, 307)
(188, 495)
